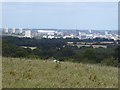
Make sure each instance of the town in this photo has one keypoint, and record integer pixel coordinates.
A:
(60, 33)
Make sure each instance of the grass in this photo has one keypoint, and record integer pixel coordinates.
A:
(24, 73)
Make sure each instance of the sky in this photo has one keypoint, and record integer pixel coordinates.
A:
(60, 15)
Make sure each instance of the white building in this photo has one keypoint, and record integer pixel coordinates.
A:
(48, 32)
(106, 32)
(13, 30)
(90, 31)
(67, 36)
(89, 36)
(20, 30)
(6, 30)
(50, 36)
(45, 36)
(28, 33)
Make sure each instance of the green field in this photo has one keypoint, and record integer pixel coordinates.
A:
(26, 73)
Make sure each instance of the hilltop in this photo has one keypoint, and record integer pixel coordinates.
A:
(35, 73)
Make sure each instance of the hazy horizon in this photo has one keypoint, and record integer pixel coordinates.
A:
(56, 15)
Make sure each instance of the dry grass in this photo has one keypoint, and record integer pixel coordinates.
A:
(23, 73)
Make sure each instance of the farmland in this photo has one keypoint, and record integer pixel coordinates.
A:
(36, 73)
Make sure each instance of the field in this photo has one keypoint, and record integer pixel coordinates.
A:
(26, 73)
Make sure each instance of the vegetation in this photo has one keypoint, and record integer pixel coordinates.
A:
(58, 48)
(36, 73)
(33, 68)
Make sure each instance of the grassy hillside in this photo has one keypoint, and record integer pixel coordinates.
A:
(24, 73)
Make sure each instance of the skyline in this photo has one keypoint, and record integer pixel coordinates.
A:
(66, 15)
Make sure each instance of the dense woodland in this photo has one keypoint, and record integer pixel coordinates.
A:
(47, 49)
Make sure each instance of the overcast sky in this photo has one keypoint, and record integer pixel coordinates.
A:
(67, 15)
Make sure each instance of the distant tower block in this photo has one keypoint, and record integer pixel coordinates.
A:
(79, 33)
(90, 31)
(106, 32)
(28, 33)
(20, 30)
(6, 30)
(13, 30)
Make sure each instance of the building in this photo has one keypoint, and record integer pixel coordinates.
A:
(20, 30)
(90, 31)
(13, 30)
(28, 33)
(106, 33)
(48, 32)
(6, 30)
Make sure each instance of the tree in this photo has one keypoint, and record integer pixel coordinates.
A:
(8, 49)
(89, 54)
(67, 52)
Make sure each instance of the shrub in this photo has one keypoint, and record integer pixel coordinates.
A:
(110, 62)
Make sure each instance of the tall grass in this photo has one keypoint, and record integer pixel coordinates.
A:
(25, 73)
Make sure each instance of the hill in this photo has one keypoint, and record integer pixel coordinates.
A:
(26, 73)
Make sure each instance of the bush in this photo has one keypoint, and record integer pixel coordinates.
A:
(89, 54)
(110, 62)
(33, 56)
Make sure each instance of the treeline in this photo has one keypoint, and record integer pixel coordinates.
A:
(58, 49)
